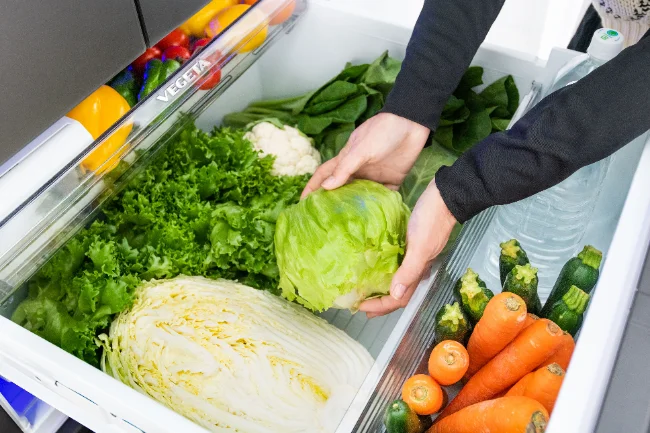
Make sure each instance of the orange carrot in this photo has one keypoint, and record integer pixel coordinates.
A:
(543, 385)
(519, 388)
(519, 358)
(563, 354)
(530, 319)
(422, 394)
(448, 362)
(503, 318)
(503, 415)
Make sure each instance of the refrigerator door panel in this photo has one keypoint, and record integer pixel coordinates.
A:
(160, 17)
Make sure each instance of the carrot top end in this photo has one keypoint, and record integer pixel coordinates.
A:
(555, 369)
(537, 423)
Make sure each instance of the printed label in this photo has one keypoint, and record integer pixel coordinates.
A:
(184, 80)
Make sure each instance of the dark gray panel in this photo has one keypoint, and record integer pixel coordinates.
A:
(644, 283)
(56, 53)
(162, 16)
(626, 407)
(7, 425)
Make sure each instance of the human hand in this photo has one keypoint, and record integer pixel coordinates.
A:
(382, 149)
(428, 231)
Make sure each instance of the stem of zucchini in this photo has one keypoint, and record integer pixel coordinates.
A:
(525, 272)
(590, 256)
(576, 300)
(510, 248)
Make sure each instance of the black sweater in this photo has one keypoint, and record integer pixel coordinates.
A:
(574, 127)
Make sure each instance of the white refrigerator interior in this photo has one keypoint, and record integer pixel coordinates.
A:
(325, 37)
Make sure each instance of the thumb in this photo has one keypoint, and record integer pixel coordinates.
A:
(347, 166)
(410, 273)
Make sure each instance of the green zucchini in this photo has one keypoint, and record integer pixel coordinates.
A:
(581, 271)
(511, 255)
(399, 418)
(473, 294)
(523, 281)
(452, 324)
(568, 312)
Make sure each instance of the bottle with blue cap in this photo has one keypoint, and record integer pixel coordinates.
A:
(551, 224)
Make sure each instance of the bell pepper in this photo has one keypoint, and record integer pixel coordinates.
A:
(195, 26)
(155, 74)
(97, 113)
(126, 85)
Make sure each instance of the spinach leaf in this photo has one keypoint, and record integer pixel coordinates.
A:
(428, 163)
(445, 136)
(500, 124)
(471, 78)
(384, 70)
(330, 142)
(502, 93)
(477, 127)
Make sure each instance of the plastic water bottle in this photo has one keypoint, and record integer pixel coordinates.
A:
(551, 224)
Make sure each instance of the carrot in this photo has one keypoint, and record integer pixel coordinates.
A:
(530, 319)
(503, 415)
(519, 358)
(562, 356)
(543, 385)
(448, 362)
(422, 394)
(503, 318)
(519, 388)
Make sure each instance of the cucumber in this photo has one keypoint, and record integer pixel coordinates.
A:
(522, 281)
(473, 294)
(511, 255)
(452, 324)
(581, 271)
(568, 312)
(399, 418)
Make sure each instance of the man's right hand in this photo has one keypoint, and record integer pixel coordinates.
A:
(382, 149)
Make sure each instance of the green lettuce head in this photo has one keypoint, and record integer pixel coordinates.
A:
(338, 248)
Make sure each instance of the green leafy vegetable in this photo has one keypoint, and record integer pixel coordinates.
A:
(469, 117)
(337, 248)
(425, 168)
(207, 205)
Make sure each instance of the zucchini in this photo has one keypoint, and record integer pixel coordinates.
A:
(473, 294)
(581, 271)
(568, 312)
(399, 418)
(452, 324)
(523, 281)
(511, 255)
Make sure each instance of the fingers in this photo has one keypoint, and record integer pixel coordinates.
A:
(321, 173)
(347, 165)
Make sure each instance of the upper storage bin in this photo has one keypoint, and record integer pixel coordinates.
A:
(54, 55)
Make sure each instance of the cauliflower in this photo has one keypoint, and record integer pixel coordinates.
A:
(294, 153)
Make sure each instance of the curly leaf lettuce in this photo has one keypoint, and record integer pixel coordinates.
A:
(206, 205)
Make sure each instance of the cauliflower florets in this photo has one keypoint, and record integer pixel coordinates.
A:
(294, 153)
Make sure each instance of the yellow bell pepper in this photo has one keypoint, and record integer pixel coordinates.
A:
(97, 113)
(195, 26)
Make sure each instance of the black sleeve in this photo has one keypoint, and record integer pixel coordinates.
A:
(573, 127)
(445, 39)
